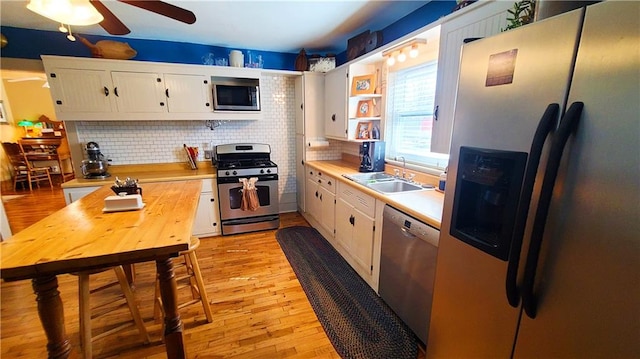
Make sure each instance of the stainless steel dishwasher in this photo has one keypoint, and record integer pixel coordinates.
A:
(407, 268)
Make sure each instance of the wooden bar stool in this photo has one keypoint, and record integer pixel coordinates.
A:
(86, 337)
(191, 279)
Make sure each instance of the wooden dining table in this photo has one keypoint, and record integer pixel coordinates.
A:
(82, 237)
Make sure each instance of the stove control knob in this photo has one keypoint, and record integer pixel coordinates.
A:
(262, 171)
(235, 173)
(226, 173)
(268, 171)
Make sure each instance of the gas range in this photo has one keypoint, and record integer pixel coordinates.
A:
(237, 164)
(244, 160)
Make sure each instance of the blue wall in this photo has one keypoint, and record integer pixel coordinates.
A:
(30, 44)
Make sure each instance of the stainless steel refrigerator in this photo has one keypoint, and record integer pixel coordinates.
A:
(539, 254)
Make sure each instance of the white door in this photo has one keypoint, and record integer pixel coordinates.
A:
(362, 241)
(139, 92)
(327, 207)
(188, 93)
(88, 91)
(335, 101)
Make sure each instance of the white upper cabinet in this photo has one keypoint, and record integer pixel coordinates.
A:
(76, 91)
(335, 102)
(97, 90)
(478, 20)
(139, 92)
(187, 93)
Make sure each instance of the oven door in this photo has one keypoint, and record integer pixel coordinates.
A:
(230, 198)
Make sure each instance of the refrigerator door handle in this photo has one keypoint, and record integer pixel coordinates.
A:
(567, 125)
(545, 126)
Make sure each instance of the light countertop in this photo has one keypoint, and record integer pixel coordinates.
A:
(147, 173)
(424, 205)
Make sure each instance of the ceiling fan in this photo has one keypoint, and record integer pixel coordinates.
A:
(114, 26)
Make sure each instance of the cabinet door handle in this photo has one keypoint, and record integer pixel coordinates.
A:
(333, 117)
(301, 106)
(115, 91)
(106, 91)
(320, 196)
(212, 200)
(161, 103)
(319, 181)
(435, 113)
(352, 220)
(302, 162)
(207, 104)
(316, 193)
(166, 92)
(329, 183)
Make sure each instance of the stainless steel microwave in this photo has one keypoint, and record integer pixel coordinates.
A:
(236, 94)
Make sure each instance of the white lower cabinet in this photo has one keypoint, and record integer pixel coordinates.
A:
(320, 199)
(355, 228)
(74, 194)
(207, 221)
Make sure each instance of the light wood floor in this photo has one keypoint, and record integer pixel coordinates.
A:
(259, 308)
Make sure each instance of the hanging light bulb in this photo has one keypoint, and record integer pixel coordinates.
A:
(402, 57)
(391, 60)
(413, 53)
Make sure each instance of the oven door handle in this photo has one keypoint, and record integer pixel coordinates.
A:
(261, 178)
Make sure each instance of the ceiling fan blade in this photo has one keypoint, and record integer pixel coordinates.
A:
(165, 9)
(111, 23)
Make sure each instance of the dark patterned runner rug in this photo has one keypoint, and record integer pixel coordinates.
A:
(358, 323)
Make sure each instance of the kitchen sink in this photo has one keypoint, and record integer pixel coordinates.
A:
(393, 186)
(370, 177)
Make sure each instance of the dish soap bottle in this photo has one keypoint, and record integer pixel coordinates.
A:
(443, 180)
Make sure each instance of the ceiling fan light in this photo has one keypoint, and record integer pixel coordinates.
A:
(72, 12)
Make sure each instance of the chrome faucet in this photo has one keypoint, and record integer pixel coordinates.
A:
(404, 166)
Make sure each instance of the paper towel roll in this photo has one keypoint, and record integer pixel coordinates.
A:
(317, 143)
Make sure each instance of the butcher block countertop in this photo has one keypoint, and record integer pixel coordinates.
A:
(146, 173)
(424, 205)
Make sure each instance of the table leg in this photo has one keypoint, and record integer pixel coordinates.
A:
(173, 338)
(51, 315)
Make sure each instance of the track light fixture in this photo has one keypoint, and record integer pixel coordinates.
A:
(399, 53)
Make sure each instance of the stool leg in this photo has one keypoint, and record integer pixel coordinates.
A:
(131, 302)
(85, 315)
(203, 293)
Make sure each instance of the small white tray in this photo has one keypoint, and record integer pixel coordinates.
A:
(123, 209)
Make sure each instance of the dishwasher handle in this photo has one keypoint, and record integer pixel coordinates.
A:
(407, 233)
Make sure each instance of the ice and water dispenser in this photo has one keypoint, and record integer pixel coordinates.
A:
(487, 192)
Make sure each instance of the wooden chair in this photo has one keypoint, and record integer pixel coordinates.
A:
(191, 279)
(86, 337)
(23, 170)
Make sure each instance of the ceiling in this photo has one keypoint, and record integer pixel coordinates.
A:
(268, 25)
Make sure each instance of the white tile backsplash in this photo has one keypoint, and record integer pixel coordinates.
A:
(144, 142)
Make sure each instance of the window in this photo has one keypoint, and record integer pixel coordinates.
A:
(409, 124)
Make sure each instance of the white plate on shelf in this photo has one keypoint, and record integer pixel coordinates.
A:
(123, 209)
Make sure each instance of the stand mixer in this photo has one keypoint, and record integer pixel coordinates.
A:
(95, 166)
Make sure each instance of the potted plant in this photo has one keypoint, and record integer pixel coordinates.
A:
(521, 14)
